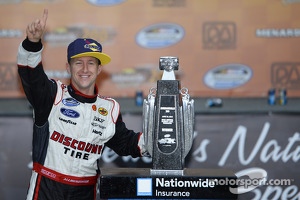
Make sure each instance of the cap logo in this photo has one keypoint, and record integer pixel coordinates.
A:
(92, 47)
(87, 47)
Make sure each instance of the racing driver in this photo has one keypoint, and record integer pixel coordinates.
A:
(72, 123)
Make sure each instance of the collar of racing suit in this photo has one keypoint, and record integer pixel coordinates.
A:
(82, 97)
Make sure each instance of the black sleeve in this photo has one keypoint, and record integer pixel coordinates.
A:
(124, 142)
(39, 90)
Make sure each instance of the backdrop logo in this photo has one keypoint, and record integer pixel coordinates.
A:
(135, 76)
(278, 33)
(45, 1)
(62, 36)
(9, 1)
(105, 2)
(290, 1)
(228, 76)
(219, 35)
(160, 35)
(286, 74)
(8, 77)
(10, 33)
(169, 3)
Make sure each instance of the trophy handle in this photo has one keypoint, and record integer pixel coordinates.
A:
(188, 120)
(148, 122)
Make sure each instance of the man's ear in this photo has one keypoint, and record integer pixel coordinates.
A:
(99, 69)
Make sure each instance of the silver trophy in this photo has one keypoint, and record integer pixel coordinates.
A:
(168, 121)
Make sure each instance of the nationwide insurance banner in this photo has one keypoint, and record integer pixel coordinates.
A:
(248, 144)
(232, 48)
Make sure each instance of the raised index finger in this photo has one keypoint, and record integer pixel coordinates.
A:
(45, 16)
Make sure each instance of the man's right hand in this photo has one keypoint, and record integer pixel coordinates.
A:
(36, 29)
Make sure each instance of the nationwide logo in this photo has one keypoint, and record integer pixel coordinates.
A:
(144, 187)
(160, 35)
(103, 111)
(219, 35)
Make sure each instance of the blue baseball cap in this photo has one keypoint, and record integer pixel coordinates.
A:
(87, 47)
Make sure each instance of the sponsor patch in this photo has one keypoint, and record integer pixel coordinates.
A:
(102, 111)
(69, 113)
(70, 102)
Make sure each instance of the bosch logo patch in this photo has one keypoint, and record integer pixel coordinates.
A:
(285, 74)
(69, 113)
(102, 111)
(219, 35)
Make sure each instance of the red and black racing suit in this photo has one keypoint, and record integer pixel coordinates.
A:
(69, 133)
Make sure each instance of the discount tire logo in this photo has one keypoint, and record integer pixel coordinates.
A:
(219, 35)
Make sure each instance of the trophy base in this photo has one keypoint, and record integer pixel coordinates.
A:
(145, 183)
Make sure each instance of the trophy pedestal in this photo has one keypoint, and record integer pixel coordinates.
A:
(142, 183)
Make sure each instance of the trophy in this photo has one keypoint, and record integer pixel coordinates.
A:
(168, 124)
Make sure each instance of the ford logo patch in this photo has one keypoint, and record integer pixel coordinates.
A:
(69, 113)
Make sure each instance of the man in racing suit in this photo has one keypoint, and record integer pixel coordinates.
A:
(72, 123)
